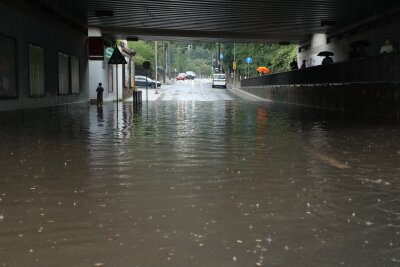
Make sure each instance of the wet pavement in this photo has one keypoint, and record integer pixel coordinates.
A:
(207, 179)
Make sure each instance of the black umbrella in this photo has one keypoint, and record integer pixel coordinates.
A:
(325, 54)
(360, 43)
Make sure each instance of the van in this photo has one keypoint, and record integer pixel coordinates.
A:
(219, 80)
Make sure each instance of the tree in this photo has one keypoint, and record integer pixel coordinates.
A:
(144, 51)
(275, 57)
(202, 56)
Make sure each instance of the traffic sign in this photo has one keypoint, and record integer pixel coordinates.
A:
(234, 65)
(221, 56)
(108, 52)
(249, 60)
(116, 58)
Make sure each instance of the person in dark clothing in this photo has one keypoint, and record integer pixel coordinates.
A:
(327, 60)
(293, 65)
(100, 91)
(303, 65)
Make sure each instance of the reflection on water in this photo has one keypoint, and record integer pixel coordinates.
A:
(191, 183)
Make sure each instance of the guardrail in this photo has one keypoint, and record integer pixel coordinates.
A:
(376, 69)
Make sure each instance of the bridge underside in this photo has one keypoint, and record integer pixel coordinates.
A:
(58, 31)
(267, 21)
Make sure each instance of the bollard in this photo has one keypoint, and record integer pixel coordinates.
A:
(137, 98)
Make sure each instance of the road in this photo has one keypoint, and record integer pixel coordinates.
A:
(194, 179)
(194, 90)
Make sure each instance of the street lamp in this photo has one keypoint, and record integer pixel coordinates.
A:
(156, 65)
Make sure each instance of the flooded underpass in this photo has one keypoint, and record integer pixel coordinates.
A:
(199, 183)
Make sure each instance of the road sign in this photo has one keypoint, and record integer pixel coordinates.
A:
(234, 65)
(116, 58)
(108, 52)
(221, 56)
(249, 60)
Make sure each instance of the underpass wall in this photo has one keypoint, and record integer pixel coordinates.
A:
(378, 99)
(341, 47)
(27, 26)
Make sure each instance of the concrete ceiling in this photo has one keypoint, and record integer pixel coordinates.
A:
(268, 21)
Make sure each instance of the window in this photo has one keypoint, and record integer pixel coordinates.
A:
(63, 74)
(75, 75)
(36, 71)
(8, 65)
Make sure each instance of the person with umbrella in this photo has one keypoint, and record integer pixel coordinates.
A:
(327, 57)
(263, 70)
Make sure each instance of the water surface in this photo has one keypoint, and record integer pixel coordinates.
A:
(199, 183)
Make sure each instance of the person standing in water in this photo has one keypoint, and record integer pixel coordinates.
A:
(100, 91)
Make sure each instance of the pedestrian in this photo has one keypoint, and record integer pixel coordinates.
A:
(327, 60)
(303, 65)
(293, 65)
(100, 91)
(387, 46)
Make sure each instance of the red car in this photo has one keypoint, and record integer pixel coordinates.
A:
(181, 77)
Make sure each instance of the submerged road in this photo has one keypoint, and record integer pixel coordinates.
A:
(198, 178)
(194, 90)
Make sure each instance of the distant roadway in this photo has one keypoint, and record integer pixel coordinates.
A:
(194, 90)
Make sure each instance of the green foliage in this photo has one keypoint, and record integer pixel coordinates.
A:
(200, 66)
(144, 51)
(276, 57)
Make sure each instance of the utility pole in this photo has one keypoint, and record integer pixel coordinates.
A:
(165, 65)
(234, 60)
(219, 57)
(212, 63)
(169, 60)
(155, 44)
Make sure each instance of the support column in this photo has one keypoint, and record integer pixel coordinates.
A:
(318, 39)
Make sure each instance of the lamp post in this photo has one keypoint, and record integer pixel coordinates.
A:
(156, 65)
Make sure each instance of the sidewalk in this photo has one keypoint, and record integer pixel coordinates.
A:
(150, 92)
(243, 94)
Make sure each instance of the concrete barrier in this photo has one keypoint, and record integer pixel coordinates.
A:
(368, 85)
(380, 99)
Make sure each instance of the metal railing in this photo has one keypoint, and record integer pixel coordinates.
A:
(376, 69)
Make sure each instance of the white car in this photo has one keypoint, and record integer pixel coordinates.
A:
(190, 75)
(219, 80)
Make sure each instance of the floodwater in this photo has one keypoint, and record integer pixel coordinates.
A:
(199, 183)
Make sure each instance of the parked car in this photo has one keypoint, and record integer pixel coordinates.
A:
(141, 81)
(219, 80)
(181, 77)
(190, 75)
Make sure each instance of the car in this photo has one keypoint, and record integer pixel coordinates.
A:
(181, 77)
(141, 81)
(219, 80)
(190, 75)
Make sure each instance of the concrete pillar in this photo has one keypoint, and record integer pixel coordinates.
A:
(318, 43)
(95, 32)
(97, 72)
(318, 39)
